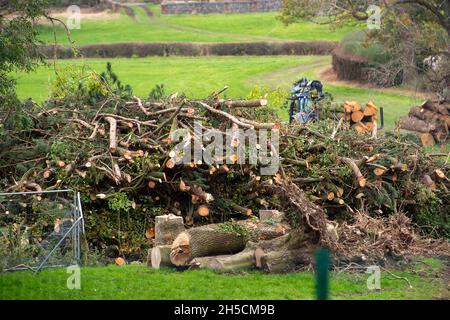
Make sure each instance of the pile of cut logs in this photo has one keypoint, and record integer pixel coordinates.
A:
(236, 245)
(362, 120)
(430, 120)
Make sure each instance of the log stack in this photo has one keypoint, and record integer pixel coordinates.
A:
(430, 120)
(361, 120)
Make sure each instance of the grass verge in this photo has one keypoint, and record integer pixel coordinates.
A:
(140, 282)
(244, 27)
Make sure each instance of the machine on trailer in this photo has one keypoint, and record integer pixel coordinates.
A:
(304, 97)
(304, 108)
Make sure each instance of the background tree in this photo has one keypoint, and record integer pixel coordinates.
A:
(18, 44)
(411, 30)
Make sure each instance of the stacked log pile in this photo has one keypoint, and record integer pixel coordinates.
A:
(362, 120)
(430, 120)
(126, 147)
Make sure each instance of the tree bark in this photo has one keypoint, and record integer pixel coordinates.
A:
(414, 124)
(242, 260)
(218, 239)
(167, 228)
(160, 257)
(285, 260)
(112, 134)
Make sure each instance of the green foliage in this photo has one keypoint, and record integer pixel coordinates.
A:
(276, 99)
(79, 83)
(18, 44)
(62, 151)
(430, 213)
(356, 44)
(119, 202)
(232, 226)
(70, 78)
(157, 93)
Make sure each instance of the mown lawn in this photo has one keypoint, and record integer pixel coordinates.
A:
(192, 28)
(140, 282)
(199, 76)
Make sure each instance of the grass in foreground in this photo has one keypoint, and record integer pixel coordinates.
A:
(199, 76)
(192, 28)
(140, 282)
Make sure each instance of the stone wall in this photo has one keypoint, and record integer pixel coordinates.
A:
(219, 6)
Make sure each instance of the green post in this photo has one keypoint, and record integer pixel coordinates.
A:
(322, 265)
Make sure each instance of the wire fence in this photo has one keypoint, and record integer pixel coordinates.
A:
(40, 229)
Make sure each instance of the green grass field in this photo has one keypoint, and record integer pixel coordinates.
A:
(140, 282)
(199, 76)
(192, 28)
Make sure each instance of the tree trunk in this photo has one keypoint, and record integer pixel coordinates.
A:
(427, 139)
(238, 261)
(434, 107)
(160, 256)
(285, 260)
(414, 124)
(424, 114)
(217, 239)
(167, 228)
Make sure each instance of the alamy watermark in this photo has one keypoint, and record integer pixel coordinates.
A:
(234, 146)
(74, 280)
(374, 19)
(374, 280)
(73, 17)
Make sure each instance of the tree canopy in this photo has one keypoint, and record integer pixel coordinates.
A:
(18, 41)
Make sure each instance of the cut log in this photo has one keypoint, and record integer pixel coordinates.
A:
(359, 128)
(245, 211)
(242, 260)
(440, 122)
(369, 126)
(203, 211)
(357, 116)
(160, 257)
(217, 239)
(360, 180)
(167, 228)
(204, 241)
(424, 114)
(285, 260)
(170, 163)
(440, 174)
(379, 171)
(150, 233)
(197, 191)
(112, 134)
(120, 261)
(351, 106)
(270, 215)
(427, 139)
(245, 103)
(441, 133)
(434, 107)
(415, 124)
(371, 109)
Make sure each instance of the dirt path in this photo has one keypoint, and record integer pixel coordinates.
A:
(285, 76)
